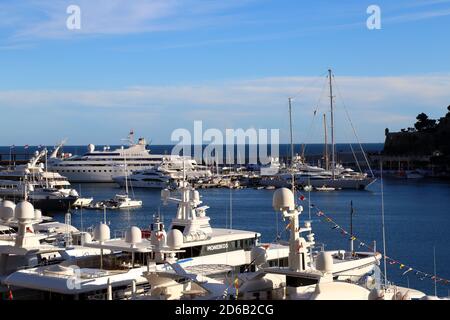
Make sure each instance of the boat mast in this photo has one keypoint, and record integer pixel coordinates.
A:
(327, 165)
(434, 265)
(46, 166)
(290, 130)
(333, 160)
(383, 226)
(126, 175)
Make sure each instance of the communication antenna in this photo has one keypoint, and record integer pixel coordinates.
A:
(231, 208)
(81, 211)
(292, 146)
(67, 236)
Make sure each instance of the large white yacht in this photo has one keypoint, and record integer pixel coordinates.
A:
(104, 165)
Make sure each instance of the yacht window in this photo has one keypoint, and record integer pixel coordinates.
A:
(299, 281)
(181, 228)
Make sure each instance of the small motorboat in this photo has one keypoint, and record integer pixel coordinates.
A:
(83, 202)
(120, 201)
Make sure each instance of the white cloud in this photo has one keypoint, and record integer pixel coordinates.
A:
(47, 19)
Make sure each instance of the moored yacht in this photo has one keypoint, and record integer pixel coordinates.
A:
(48, 191)
(104, 165)
(150, 178)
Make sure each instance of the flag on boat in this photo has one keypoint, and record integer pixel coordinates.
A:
(26, 146)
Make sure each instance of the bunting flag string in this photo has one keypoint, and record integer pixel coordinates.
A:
(420, 274)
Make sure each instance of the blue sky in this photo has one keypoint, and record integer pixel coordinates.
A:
(159, 65)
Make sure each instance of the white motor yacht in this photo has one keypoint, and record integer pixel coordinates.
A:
(104, 165)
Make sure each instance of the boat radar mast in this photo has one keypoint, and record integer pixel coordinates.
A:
(191, 218)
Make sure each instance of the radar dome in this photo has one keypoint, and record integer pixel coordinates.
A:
(175, 239)
(283, 199)
(324, 262)
(102, 232)
(91, 148)
(24, 211)
(259, 256)
(133, 235)
(37, 214)
(165, 194)
(7, 210)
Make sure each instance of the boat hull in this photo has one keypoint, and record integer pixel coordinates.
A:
(47, 204)
(355, 184)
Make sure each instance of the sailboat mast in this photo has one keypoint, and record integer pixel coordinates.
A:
(383, 226)
(327, 165)
(290, 130)
(333, 160)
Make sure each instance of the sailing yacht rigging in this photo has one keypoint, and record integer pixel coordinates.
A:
(333, 176)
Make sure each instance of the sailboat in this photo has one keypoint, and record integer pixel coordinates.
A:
(123, 201)
(333, 175)
(120, 201)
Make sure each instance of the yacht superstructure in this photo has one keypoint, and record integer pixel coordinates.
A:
(48, 191)
(190, 241)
